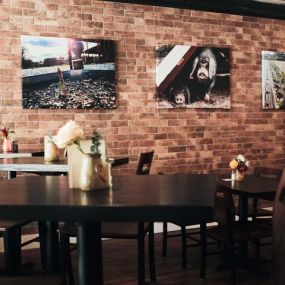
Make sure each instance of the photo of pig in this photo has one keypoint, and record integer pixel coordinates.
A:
(192, 77)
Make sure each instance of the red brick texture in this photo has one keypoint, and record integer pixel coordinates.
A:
(192, 140)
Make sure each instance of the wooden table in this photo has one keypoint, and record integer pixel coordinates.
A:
(22, 153)
(31, 164)
(182, 198)
(252, 186)
(37, 164)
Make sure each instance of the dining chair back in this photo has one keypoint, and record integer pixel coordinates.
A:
(195, 235)
(269, 173)
(266, 172)
(38, 153)
(120, 161)
(144, 164)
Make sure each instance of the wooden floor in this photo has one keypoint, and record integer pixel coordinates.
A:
(120, 265)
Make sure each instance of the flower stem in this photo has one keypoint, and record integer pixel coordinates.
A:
(77, 142)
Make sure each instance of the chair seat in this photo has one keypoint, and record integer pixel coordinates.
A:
(242, 232)
(29, 280)
(109, 230)
(260, 212)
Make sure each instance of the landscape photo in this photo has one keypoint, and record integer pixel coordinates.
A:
(192, 77)
(273, 80)
(66, 73)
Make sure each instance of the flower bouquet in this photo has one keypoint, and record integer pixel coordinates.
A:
(87, 169)
(239, 166)
(7, 144)
(69, 134)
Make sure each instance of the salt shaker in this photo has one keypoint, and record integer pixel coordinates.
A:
(15, 146)
(233, 176)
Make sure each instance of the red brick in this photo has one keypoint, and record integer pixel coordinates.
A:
(188, 140)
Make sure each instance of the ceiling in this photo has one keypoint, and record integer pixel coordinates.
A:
(274, 9)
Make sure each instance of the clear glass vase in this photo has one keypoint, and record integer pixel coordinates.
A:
(95, 172)
(239, 175)
(87, 179)
(51, 150)
(7, 145)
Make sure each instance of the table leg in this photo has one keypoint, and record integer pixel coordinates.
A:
(243, 207)
(49, 246)
(90, 265)
(243, 215)
(12, 250)
(11, 174)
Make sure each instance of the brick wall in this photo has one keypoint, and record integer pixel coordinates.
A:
(192, 140)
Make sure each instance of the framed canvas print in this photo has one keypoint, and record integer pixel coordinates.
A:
(273, 80)
(192, 77)
(65, 73)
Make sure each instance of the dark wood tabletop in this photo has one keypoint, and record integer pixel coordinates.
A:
(252, 185)
(138, 198)
(132, 198)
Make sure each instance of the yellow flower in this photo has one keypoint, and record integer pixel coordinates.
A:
(233, 164)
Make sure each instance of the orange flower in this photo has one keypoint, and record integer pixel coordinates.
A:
(239, 163)
(233, 164)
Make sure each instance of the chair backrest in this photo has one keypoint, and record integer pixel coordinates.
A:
(120, 161)
(144, 163)
(267, 172)
(38, 153)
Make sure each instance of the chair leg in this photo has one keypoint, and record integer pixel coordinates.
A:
(232, 263)
(255, 207)
(12, 250)
(43, 244)
(141, 254)
(164, 239)
(257, 251)
(203, 241)
(184, 247)
(151, 252)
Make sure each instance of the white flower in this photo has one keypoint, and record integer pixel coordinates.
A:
(68, 134)
(241, 158)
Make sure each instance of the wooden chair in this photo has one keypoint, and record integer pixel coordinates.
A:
(120, 161)
(269, 173)
(185, 235)
(230, 232)
(144, 164)
(135, 231)
(194, 235)
(10, 231)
